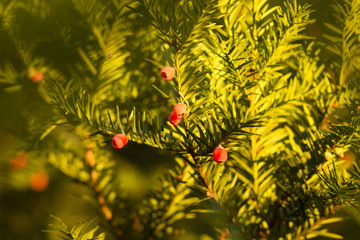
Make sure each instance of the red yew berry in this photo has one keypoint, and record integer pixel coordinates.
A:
(174, 119)
(167, 73)
(106, 211)
(137, 224)
(119, 141)
(39, 181)
(101, 199)
(19, 161)
(180, 110)
(94, 176)
(37, 77)
(89, 158)
(220, 155)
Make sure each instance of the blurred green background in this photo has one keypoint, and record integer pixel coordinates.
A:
(31, 189)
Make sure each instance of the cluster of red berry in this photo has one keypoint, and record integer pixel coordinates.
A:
(177, 114)
(167, 73)
(38, 181)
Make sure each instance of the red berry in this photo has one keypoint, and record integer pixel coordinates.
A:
(39, 181)
(180, 109)
(89, 158)
(37, 77)
(173, 119)
(220, 155)
(19, 161)
(167, 73)
(119, 141)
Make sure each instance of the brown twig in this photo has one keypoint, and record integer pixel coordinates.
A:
(202, 174)
(225, 233)
(106, 211)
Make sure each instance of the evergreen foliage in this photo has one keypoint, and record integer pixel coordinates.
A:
(281, 102)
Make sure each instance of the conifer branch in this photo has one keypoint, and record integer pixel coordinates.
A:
(101, 199)
(202, 174)
(344, 37)
(140, 127)
(316, 224)
(251, 79)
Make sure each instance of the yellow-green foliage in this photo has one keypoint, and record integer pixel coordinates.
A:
(254, 78)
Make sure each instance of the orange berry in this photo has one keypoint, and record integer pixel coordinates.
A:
(137, 224)
(107, 213)
(37, 77)
(19, 161)
(349, 156)
(220, 155)
(174, 119)
(180, 110)
(101, 200)
(94, 176)
(167, 73)
(89, 158)
(39, 181)
(119, 141)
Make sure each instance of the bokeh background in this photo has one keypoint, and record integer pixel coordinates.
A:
(31, 188)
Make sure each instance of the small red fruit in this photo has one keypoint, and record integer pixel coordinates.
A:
(37, 77)
(19, 161)
(174, 119)
(119, 141)
(180, 109)
(89, 158)
(220, 155)
(107, 213)
(167, 73)
(39, 181)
